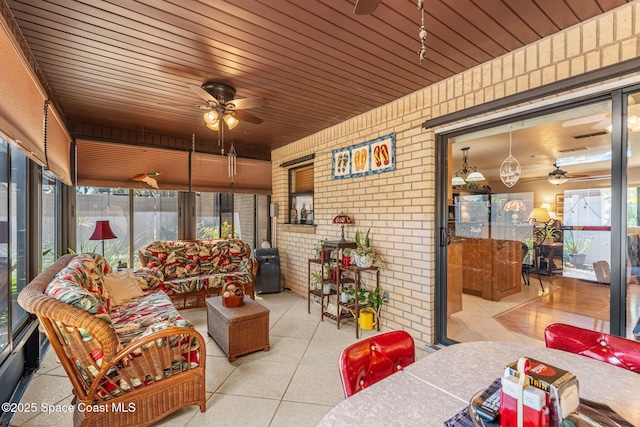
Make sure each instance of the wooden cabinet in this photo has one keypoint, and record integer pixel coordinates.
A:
(491, 269)
(454, 277)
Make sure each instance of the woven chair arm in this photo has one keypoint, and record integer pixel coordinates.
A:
(149, 360)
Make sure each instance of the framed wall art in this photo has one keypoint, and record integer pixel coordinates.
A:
(367, 158)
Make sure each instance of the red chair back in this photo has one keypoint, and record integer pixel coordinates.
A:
(368, 361)
(607, 348)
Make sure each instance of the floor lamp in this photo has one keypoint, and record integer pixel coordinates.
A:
(102, 232)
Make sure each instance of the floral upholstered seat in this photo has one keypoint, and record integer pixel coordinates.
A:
(139, 353)
(198, 266)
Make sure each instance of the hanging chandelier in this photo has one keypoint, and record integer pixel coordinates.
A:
(558, 176)
(473, 174)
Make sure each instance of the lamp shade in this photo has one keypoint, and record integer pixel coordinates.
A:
(457, 180)
(514, 206)
(210, 116)
(539, 215)
(231, 121)
(342, 219)
(475, 176)
(103, 231)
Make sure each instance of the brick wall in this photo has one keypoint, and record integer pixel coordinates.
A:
(399, 206)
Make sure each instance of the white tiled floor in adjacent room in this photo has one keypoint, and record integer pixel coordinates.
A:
(294, 384)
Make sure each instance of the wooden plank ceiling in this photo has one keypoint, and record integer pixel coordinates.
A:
(119, 69)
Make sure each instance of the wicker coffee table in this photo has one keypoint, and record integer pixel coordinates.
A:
(238, 330)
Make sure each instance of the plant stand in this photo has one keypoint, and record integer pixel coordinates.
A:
(355, 307)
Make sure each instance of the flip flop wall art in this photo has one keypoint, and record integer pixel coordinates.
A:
(367, 158)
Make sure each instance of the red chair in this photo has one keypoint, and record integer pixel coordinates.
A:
(607, 348)
(369, 360)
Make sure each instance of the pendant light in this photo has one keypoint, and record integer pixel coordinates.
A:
(510, 168)
(473, 174)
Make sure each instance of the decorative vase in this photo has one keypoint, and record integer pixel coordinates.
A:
(362, 261)
(344, 297)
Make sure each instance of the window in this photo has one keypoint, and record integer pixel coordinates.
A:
(154, 212)
(301, 195)
(17, 234)
(207, 216)
(5, 271)
(244, 218)
(50, 221)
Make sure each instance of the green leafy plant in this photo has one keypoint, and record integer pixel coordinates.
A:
(575, 245)
(318, 247)
(367, 298)
(364, 254)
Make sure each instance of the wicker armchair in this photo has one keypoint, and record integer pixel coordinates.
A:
(137, 385)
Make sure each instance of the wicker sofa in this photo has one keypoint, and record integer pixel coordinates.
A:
(133, 363)
(191, 270)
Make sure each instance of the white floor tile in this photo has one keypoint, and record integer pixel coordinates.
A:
(294, 384)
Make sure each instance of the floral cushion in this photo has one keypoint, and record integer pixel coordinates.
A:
(65, 290)
(199, 283)
(134, 318)
(173, 259)
(84, 272)
(148, 278)
(174, 264)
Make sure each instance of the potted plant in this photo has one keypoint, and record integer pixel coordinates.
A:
(549, 234)
(317, 249)
(370, 303)
(364, 255)
(576, 248)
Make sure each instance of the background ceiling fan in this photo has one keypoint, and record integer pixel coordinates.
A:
(221, 104)
(147, 178)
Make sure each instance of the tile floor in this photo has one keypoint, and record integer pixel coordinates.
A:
(294, 384)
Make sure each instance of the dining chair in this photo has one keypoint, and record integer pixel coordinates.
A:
(607, 348)
(367, 361)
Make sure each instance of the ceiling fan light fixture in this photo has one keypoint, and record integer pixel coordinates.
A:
(558, 176)
(214, 126)
(231, 121)
(210, 117)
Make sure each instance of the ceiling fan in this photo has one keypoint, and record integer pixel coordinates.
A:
(222, 107)
(559, 177)
(147, 178)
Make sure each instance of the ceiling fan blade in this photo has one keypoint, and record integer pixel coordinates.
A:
(203, 94)
(245, 103)
(365, 7)
(247, 117)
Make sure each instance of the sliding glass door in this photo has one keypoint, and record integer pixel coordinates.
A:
(529, 225)
(632, 255)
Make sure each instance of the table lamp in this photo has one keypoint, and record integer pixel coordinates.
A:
(539, 215)
(515, 206)
(102, 232)
(342, 220)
